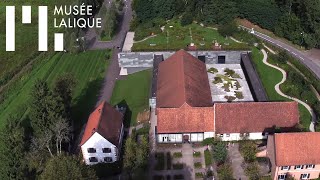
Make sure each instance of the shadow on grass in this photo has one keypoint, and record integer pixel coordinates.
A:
(128, 114)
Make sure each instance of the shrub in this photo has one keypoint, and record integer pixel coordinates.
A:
(160, 161)
(186, 19)
(177, 166)
(226, 88)
(212, 70)
(248, 150)
(199, 175)
(217, 80)
(197, 165)
(228, 29)
(252, 171)
(239, 94)
(230, 98)
(229, 72)
(237, 84)
(220, 152)
(196, 154)
(224, 172)
(209, 173)
(207, 157)
(236, 75)
(158, 177)
(168, 160)
(177, 155)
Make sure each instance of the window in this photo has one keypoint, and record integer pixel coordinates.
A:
(227, 135)
(221, 135)
(285, 167)
(93, 159)
(282, 177)
(298, 167)
(106, 150)
(107, 159)
(304, 176)
(310, 166)
(91, 150)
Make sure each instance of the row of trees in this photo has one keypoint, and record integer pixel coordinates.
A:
(37, 146)
(296, 20)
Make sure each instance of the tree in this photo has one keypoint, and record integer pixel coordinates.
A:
(228, 29)
(220, 152)
(283, 57)
(129, 159)
(142, 153)
(66, 167)
(218, 11)
(12, 150)
(252, 171)
(224, 172)
(248, 150)
(186, 19)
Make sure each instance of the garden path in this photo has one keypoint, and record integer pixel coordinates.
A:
(145, 38)
(277, 88)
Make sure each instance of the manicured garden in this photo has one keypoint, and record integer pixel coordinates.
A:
(174, 37)
(134, 92)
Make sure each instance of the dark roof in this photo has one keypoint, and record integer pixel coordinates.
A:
(247, 117)
(296, 148)
(182, 78)
(105, 120)
(185, 119)
(156, 61)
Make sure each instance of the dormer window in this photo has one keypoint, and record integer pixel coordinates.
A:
(106, 150)
(285, 168)
(91, 150)
(298, 167)
(310, 166)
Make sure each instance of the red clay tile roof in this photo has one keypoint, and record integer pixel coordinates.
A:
(254, 116)
(297, 148)
(185, 119)
(105, 120)
(183, 78)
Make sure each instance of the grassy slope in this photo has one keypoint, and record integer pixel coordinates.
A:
(87, 68)
(134, 90)
(179, 38)
(270, 77)
(26, 34)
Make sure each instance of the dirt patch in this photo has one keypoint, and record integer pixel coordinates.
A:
(143, 117)
(246, 23)
(313, 54)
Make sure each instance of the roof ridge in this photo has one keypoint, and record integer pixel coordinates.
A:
(100, 115)
(184, 77)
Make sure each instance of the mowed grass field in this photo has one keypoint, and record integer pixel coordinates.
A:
(26, 34)
(176, 37)
(88, 68)
(270, 77)
(134, 92)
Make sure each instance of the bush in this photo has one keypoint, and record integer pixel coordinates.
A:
(199, 175)
(186, 19)
(230, 98)
(228, 29)
(158, 177)
(212, 70)
(208, 141)
(217, 80)
(177, 155)
(177, 166)
(160, 161)
(220, 152)
(248, 150)
(252, 171)
(224, 172)
(197, 165)
(239, 94)
(197, 154)
(229, 72)
(178, 176)
(209, 173)
(207, 157)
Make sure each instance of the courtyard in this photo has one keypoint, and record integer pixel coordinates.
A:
(228, 83)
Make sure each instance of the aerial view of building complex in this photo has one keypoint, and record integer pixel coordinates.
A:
(160, 90)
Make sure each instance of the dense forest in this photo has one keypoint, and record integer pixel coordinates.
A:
(296, 20)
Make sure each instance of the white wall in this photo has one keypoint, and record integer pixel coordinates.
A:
(208, 135)
(169, 138)
(237, 137)
(98, 142)
(196, 137)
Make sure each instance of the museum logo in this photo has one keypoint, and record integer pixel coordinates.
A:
(76, 16)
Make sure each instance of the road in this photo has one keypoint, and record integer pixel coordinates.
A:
(308, 62)
(113, 70)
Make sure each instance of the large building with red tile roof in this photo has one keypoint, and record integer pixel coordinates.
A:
(294, 154)
(185, 111)
(102, 137)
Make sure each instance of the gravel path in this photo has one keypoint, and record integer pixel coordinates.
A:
(277, 88)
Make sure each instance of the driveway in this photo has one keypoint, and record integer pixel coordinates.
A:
(236, 162)
(311, 63)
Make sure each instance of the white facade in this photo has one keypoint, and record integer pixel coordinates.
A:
(242, 136)
(178, 138)
(97, 149)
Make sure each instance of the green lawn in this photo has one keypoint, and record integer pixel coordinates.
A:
(88, 68)
(270, 77)
(133, 91)
(179, 38)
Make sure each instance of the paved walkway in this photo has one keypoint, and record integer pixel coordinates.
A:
(277, 88)
(236, 162)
